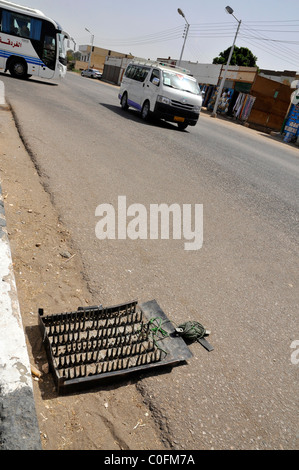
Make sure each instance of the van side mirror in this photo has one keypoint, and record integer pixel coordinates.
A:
(156, 81)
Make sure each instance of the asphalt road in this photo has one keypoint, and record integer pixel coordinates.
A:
(242, 284)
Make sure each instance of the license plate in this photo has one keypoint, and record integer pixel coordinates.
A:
(179, 119)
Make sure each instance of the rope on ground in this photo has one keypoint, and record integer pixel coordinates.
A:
(154, 328)
(194, 331)
(191, 330)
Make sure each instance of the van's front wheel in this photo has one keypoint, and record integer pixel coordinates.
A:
(124, 102)
(145, 112)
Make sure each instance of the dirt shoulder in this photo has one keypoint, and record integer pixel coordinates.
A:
(109, 418)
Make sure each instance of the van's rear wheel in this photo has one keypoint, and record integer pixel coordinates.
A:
(124, 102)
(18, 68)
(145, 112)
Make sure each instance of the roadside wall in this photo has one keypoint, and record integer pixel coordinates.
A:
(271, 104)
(114, 69)
(18, 421)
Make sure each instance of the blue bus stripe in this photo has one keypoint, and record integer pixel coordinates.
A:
(29, 59)
(8, 54)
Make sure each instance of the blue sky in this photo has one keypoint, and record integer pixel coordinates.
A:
(153, 28)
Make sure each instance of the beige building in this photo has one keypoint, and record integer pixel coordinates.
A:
(97, 58)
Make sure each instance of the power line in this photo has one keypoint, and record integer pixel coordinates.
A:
(282, 58)
(276, 30)
(272, 21)
(205, 30)
(173, 33)
(271, 40)
(273, 47)
(274, 52)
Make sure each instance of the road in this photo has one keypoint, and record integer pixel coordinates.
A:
(242, 284)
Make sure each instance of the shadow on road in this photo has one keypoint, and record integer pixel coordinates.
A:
(29, 80)
(278, 138)
(134, 115)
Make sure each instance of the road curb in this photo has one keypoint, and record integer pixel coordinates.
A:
(3, 104)
(18, 421)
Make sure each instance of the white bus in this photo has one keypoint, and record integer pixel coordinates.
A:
(31, 43)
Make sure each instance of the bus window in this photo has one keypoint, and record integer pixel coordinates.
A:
(21, 25)
(24, 30)
(7, 23)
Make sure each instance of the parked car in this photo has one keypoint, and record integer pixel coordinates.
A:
(91, 73)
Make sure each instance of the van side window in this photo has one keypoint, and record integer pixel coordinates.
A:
(131, 72)
(128, 71)
(142, 74)
(137, 73)
(155, 74)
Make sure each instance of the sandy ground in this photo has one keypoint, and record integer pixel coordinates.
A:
(107, 418)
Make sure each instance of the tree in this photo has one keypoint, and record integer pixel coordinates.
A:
(71, 55)
(241, 56)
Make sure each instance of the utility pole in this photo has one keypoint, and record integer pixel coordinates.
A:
(230, 11)
(185, 34)
(92, 41)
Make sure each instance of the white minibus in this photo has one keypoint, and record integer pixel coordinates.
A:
(166, 92)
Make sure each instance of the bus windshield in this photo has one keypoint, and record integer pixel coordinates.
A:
(180, 82)
(62, 48)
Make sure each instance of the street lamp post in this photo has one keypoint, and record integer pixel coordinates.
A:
(230, 11)
(180, 12)
(92, 40)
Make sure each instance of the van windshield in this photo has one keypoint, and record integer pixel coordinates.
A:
(180, 82)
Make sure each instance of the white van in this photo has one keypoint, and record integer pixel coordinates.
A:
(166, 92)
